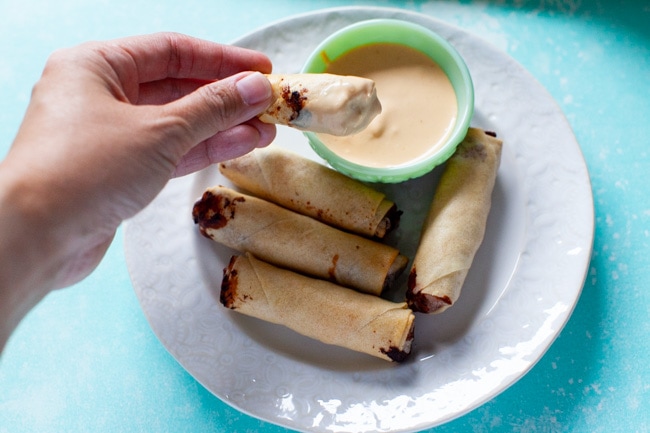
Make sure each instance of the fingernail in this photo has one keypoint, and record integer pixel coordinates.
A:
(254, 88)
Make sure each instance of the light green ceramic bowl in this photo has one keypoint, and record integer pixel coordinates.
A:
(421, 39)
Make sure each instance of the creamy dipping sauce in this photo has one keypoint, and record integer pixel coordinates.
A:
(339, 105)
(332, 104)
(418, 102)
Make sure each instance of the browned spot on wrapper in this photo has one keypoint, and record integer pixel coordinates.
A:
(426, 303)
(213, 211)
(294, 100)
(397, 355)
(423, 302)
(229, 285)
(473, 151)
(394, 215)
(332, 270)
(411, 280)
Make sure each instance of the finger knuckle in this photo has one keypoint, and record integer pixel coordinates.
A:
(220, 107)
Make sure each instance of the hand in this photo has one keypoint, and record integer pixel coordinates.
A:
(108, 125)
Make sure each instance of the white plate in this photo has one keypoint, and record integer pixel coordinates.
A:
(520, 292)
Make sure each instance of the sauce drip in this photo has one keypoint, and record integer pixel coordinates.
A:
(418, 106)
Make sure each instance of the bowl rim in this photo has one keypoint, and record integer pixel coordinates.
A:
(454, 67)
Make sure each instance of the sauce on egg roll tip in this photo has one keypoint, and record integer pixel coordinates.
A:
(327, 103)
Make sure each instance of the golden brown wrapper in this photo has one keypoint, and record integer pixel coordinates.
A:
(318, 309)
(327, 103)
(312, 189)
(294, 241)
(455, 225)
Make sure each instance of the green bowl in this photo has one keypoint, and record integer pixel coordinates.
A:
(414, 36)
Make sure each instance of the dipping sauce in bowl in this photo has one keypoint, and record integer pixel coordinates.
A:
(418, 102)
(425, 91)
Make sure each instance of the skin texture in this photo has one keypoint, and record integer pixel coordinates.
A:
(108, 124)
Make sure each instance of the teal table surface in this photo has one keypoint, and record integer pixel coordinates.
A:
(86, 359)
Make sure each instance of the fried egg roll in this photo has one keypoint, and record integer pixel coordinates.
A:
(455, 224)
(318, 309)
(332, 104)
(294, 241)
(312, 189)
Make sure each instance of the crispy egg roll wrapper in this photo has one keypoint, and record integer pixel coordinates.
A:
(455, 225)
(318, 309)
(294, 241)
(312, 189)
(332, 104)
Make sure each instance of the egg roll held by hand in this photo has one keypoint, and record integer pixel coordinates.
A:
(294, 241)
(331, 104)
(318, 309)
(310, 188)
(455, 225)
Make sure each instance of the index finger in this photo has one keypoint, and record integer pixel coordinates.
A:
(173, 55)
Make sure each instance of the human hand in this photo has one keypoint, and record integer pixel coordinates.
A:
(109, 123)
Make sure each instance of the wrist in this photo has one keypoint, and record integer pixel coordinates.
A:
(17, 295)
(28, 254)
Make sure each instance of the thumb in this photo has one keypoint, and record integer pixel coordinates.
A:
(220, 105)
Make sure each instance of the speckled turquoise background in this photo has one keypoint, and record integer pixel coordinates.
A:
(86, 359)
